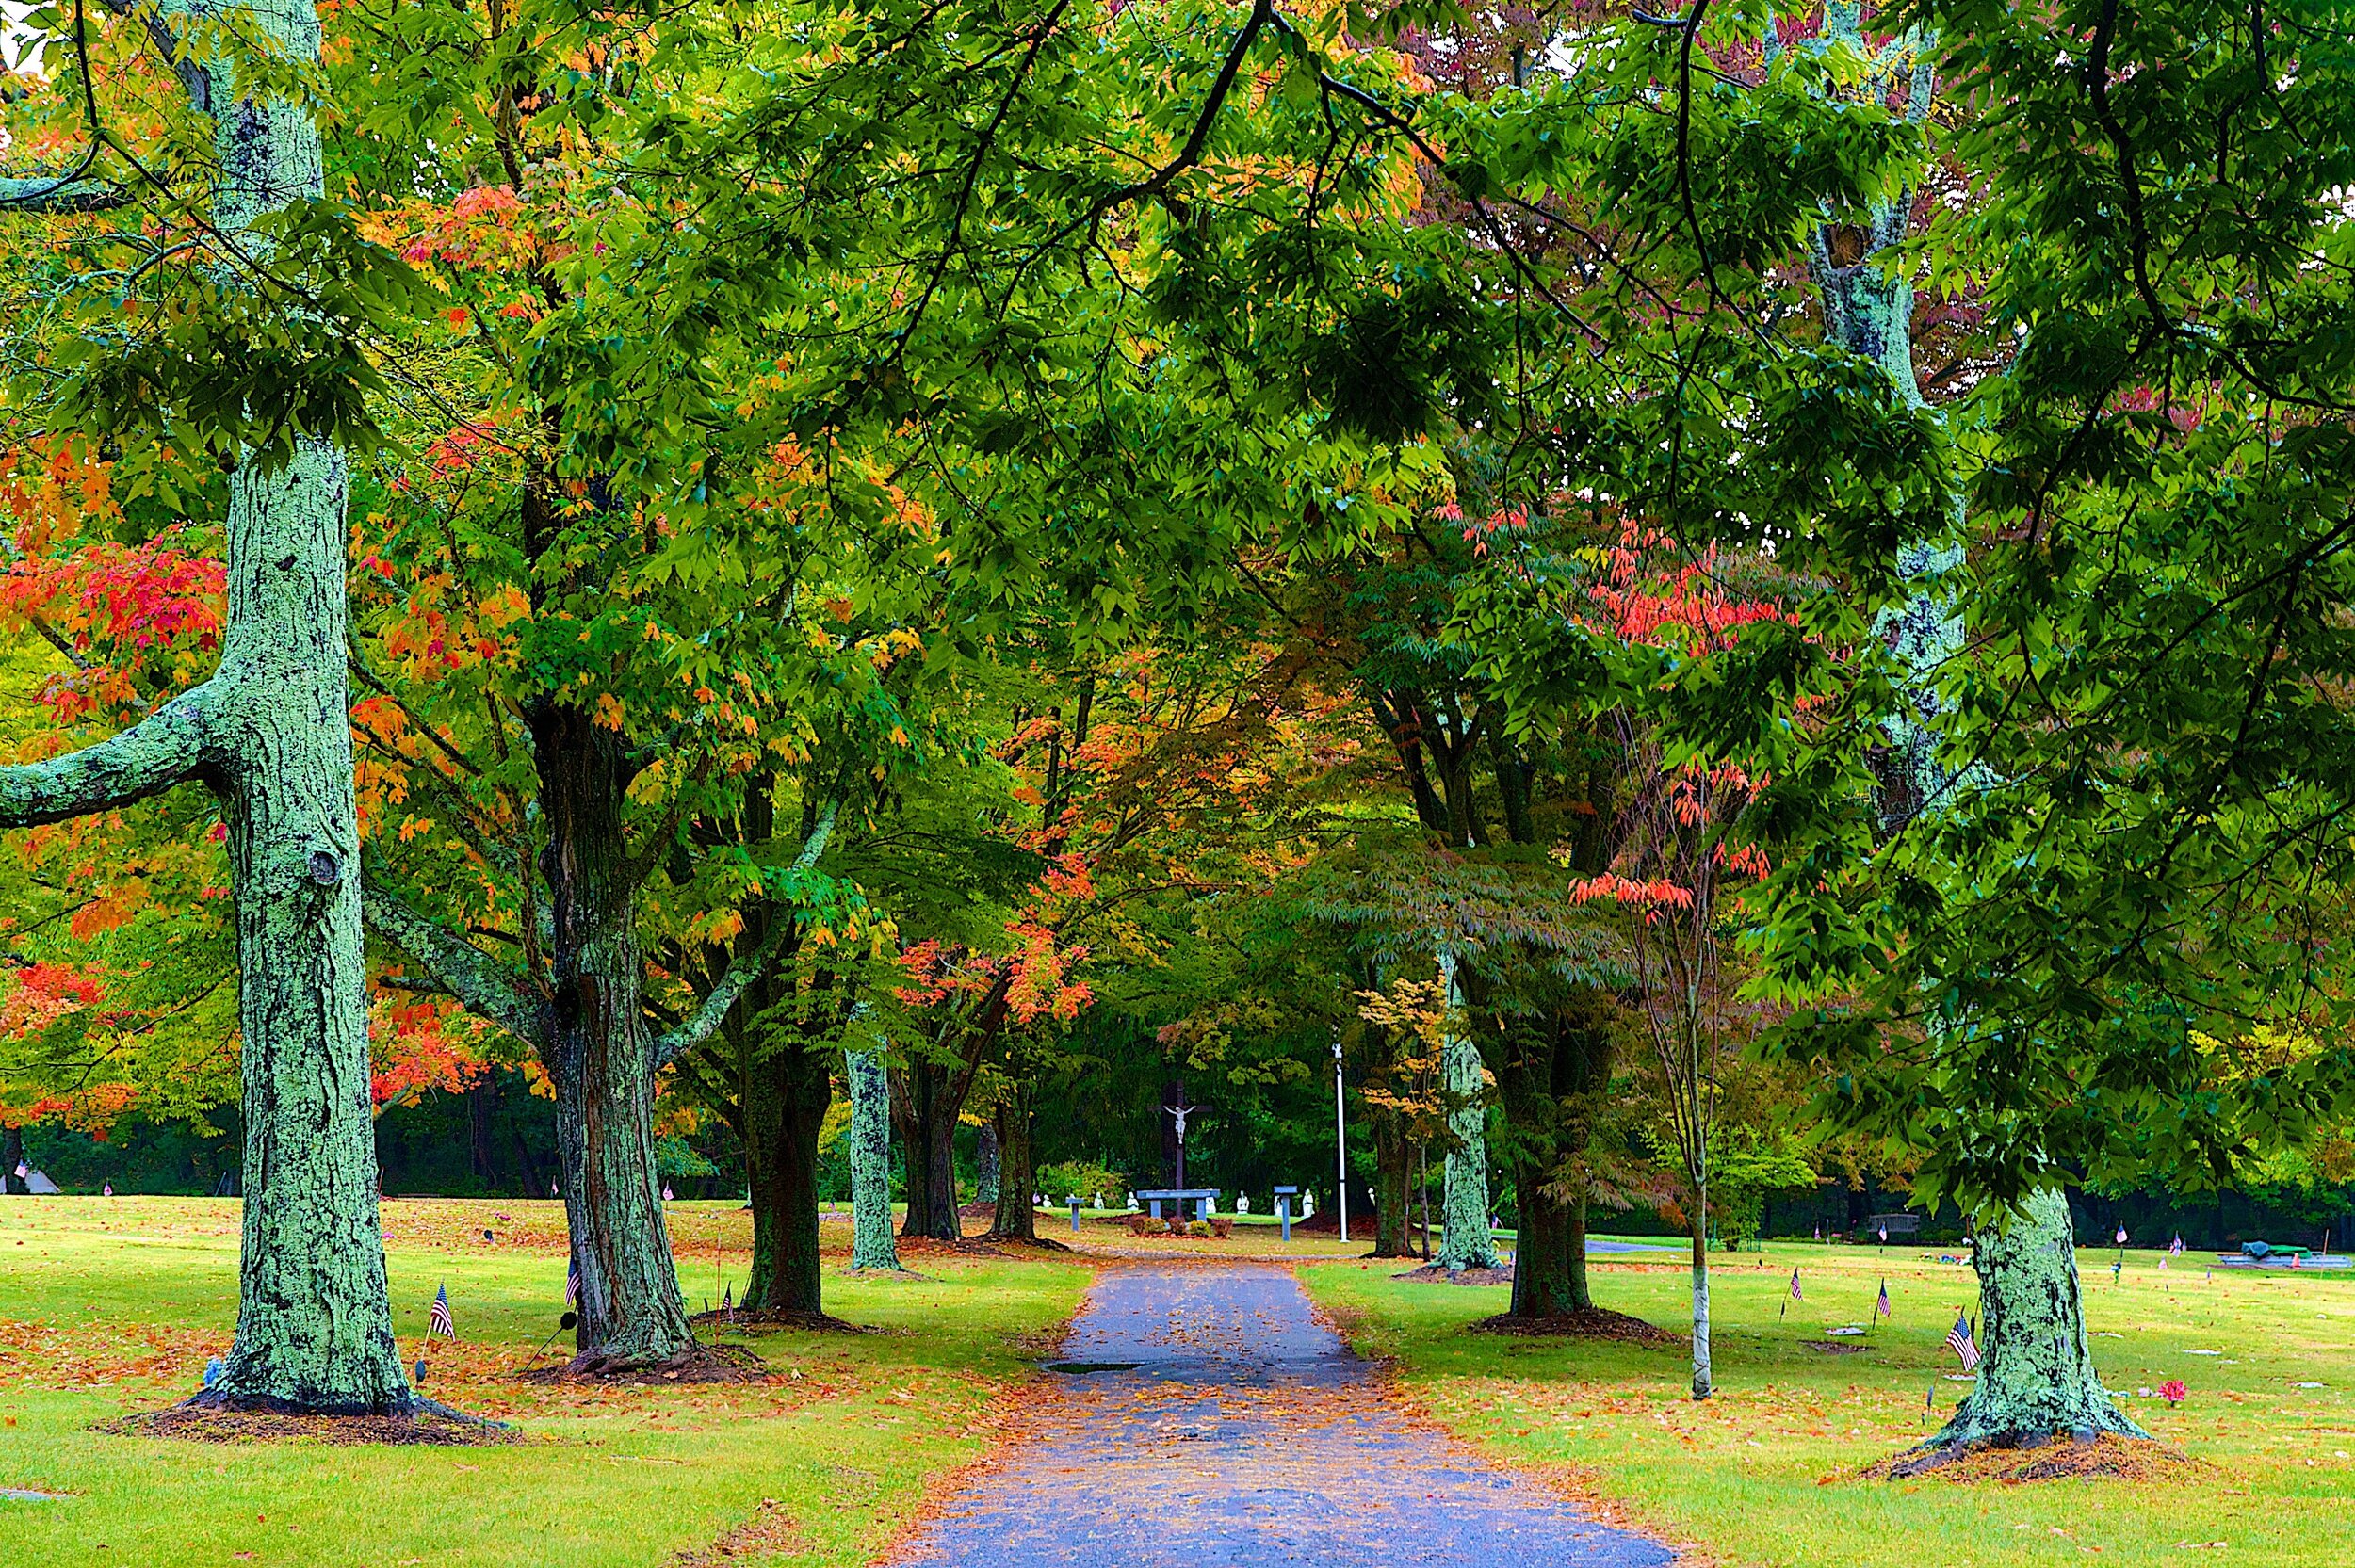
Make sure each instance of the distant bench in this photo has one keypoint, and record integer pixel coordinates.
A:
(1201, 1197)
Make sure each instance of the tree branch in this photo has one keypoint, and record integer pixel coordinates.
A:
(700, 1025)
(486, 986)
(39, 193)
(160, 751)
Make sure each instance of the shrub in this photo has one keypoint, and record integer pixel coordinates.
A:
(1082, 1179)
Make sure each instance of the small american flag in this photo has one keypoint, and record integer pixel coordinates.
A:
(1959, 1341)
(1880, 1308)
(2121, 1235)
(438, 1322)
(572, 1282)
(1797, 1294)
(727, 1300)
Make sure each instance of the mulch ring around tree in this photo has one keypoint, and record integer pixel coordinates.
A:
(696, 1363)
(214, 1424)
(2107, 1457)
(1433, 1273)
(1586, 1323)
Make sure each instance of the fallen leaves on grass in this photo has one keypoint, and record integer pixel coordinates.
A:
(79, 1357)
(770, 1533)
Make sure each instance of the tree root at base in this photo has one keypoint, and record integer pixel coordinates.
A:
(695, 1363)
(1043, 1243)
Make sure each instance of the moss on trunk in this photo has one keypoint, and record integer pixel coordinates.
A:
(270, 734)
(871, 1242)
(2036, 1380)
(1465, 1241)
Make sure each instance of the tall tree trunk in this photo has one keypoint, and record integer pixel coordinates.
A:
(1464, 1239)
(1393, 1157)
(2037, 1380)
(928, 1132)
(1018, 1173)
(12, 1155)
(871, 1243)
(985, 1164)
(793, 1091)
(314, 1320)
(1553, 1076)
(601, 1052)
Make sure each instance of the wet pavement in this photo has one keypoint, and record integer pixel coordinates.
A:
(1209, 1420)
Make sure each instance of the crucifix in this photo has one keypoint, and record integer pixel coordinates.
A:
(1178, 1113)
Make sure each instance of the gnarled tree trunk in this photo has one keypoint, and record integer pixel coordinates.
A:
(600, 1054)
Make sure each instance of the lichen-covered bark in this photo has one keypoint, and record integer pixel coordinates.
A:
(313, 1322)
(871, 1242)
(600, 1054)
(269, 734)
(1466, 1242)
(2037, 1379)
(2028, 1279)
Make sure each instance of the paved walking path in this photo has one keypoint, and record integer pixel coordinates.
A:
(1245, 1433)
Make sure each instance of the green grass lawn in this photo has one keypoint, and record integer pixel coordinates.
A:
(108, 1306)
(1761, 1475)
